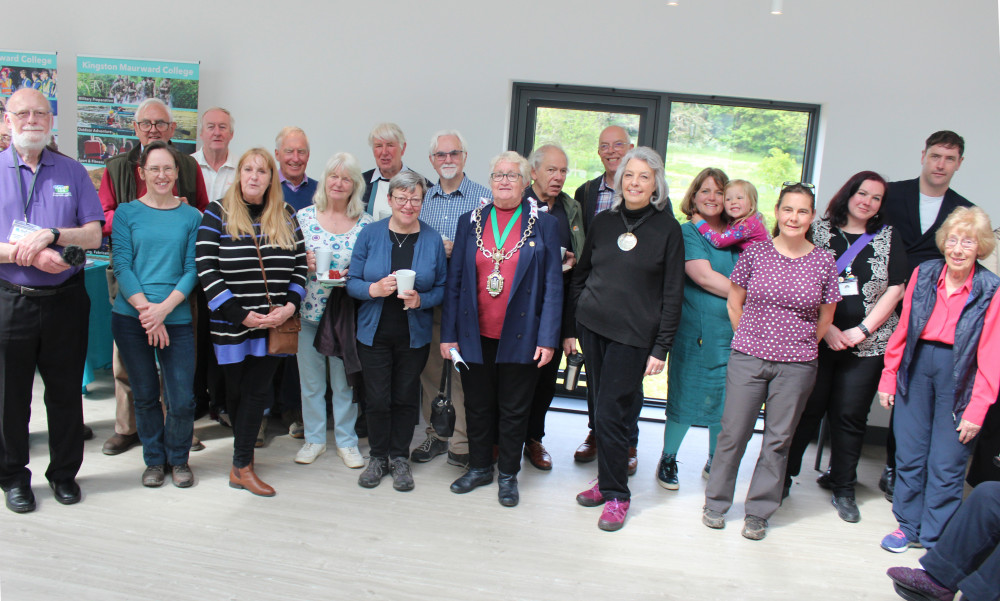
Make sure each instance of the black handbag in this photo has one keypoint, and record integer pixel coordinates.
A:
(442, 411)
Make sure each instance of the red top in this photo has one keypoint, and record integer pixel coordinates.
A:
(941, 328)
(108, 201)
(493, 309)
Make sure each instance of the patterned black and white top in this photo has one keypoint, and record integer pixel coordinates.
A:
(882, 263)
(230, 274)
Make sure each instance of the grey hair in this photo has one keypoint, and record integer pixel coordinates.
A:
(512, 157)
(285, 131)
(145, 104)
(386, 131)
(232, 122)
(535, 158)
(660, 198)
(346, 162)
(448, 132)
(408, 180)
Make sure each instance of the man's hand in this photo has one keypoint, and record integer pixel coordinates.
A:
(49, 261)
(28, 247)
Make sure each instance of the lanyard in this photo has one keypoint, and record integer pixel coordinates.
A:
(20, 184)
(846, 260)
(497, 238)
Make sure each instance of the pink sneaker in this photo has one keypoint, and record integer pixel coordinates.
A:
(591, 497)
(613, 516)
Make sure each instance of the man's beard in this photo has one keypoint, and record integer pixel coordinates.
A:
(449, 171)
(31, 140)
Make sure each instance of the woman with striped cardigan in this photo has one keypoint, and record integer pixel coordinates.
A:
(249, 228)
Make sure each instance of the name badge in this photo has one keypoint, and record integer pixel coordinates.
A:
(849, 287)
(19, 229)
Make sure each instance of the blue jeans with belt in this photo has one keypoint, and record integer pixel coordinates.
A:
(165, 439)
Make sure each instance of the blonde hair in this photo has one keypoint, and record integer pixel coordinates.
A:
(751, 194)
(275, 222)
(972, 220)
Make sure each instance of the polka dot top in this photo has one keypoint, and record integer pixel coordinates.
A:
(317, 238)
(783, 299)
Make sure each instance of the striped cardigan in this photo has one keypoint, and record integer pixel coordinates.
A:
(230, 274)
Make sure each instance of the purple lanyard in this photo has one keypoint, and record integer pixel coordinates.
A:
(852, 251)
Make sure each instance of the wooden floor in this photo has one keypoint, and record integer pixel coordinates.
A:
(324, 537)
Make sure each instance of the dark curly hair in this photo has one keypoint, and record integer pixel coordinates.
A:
(836, 211)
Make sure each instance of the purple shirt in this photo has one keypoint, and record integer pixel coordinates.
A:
(64, 197)
(783, 299)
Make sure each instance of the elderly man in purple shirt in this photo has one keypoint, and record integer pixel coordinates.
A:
(47, 202)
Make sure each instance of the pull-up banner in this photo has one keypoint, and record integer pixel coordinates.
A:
(28, 70)
(108, 91)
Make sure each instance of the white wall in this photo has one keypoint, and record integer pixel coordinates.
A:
(886, 72)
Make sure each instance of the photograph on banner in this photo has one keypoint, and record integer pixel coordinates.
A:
(110, 89)
(29, 70)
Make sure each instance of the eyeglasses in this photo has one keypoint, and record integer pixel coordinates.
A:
(158, 170)
(511, 177)
(966, 243)
(607, 147)
(453, 155)
(413, 202)
(22, 115)
(805, 185)
(148, 125)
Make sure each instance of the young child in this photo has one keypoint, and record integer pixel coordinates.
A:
(747, 226)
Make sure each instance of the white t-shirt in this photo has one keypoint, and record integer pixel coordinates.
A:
(929, 208)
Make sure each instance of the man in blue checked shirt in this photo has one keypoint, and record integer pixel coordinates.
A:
(444, 204)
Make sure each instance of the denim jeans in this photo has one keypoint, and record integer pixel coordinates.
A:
(165, 439)
(312, 376)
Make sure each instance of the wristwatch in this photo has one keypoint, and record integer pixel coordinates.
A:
(55, 234)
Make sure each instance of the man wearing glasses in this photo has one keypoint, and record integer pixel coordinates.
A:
(121, 183)
(596, 195)
(453, 196)
(47, 202)
(388, 146)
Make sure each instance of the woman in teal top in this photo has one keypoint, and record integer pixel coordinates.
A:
(697, 363)
(153, 250)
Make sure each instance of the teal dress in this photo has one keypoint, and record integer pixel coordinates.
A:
(697, 361)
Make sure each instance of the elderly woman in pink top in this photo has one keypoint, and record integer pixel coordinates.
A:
(937, 367)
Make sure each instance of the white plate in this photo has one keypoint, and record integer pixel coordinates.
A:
(331, 281)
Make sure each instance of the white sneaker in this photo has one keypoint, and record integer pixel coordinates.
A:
(351, 456)
(309, 452)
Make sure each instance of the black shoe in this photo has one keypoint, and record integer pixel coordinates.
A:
(666, 472)
(458, 459)
(887, 483)
(847, 509)
(88, 432)
(431, 447)
(378, 468)
(67, 491)
(824, 480)
(508, 489)
(474, 478)
(20, 499)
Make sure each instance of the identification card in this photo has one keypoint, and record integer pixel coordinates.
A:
(849, 287)
(19, 229)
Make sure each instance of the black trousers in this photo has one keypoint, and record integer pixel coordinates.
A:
(48, 333)
(392, 391)
(209, 381)
(541, 400)
(633, 435)
(248, 390)
(845, 387)
(615, 372)
(497, 403)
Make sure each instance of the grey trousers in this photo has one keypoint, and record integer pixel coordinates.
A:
(782, 388)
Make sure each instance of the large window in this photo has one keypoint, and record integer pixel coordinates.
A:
(762, 141)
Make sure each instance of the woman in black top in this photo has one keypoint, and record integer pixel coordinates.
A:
(627, 293)
(850, 360)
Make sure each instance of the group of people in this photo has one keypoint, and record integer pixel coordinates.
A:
(388, 279)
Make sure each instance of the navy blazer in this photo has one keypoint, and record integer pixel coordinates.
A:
(902, 211)
(534, 307)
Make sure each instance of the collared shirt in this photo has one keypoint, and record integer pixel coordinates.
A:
(378, 206)
(287, 182)
(441, 211)
(558, 211)
(63, 197)
(216, 182)
(605, 195)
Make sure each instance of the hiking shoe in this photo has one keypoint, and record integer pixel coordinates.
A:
(754, 528)
(431, 447)
(613, 516)
(713, 519)
(591, 497)
(378, 468)
(847, 509)
(154, 475)
(402, 478)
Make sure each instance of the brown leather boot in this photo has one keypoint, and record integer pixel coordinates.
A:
(244, 477)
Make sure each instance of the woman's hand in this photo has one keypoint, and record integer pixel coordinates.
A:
(654, 366)
(696, 218)
(570, 259)
(544, 354)
(886, 400)
(311, 260)
(277, 315)
(854, 335)
(836, 339)
(569, 346)
(151, 315)
(967, 431)
(411, 299)
(446, 349)
(157, 337)
(253, 320)
(383, 287)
